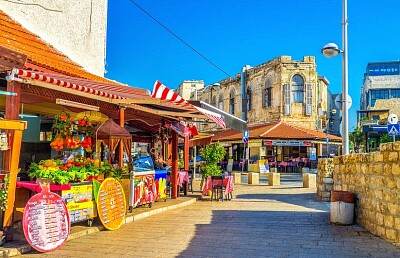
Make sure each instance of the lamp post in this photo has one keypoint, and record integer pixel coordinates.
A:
(331, 50)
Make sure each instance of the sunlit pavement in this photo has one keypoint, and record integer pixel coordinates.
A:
(261, 221)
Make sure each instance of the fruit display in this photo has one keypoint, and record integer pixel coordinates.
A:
(77, 169)
(57, 143)
(68, 132)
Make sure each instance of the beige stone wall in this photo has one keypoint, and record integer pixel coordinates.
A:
(325, 179)
(375, 180)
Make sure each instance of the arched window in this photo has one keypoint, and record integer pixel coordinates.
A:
(221, 102)
(232, 102)
(248, 98)
(206, 101)
(297, 88)
(267, 96)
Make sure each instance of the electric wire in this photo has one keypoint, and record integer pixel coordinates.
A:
(179, 38)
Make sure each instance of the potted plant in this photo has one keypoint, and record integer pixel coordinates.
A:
(212, 154)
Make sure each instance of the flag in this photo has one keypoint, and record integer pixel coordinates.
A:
(160, 91)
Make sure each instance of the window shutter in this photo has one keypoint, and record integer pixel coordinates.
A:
(263, 98)
(286, 99)
(308, 99)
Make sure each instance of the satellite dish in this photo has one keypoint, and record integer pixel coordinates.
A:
(392, 119)
(338, 101)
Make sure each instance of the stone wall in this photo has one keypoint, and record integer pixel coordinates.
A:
(325, 179)
(375, 180)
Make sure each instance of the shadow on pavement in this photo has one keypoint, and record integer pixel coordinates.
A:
(308, 200)
(233, 233)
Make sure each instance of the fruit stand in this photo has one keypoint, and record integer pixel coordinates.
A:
(70, 172)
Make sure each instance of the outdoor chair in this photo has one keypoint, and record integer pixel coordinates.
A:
(217, 187)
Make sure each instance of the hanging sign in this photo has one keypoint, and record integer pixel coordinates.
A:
(111, 204)
(46, 221)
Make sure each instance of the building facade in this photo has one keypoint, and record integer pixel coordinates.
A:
(189, 89)
(75, 28)
(281, 89)
(381, 81)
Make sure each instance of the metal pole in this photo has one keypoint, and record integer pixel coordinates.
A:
(244, 155)
(345, 110)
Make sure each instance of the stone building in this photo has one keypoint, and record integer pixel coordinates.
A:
(380, 96)
(282, 93)
(281, 89)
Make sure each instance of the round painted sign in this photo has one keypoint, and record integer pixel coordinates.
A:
(46, 221)
(111, 204)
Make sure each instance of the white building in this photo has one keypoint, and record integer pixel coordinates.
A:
(75, 28)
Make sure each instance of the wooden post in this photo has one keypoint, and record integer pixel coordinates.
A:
(174, 173)
(121, 146)
(17, 127)
(12, 113)
(186, 153)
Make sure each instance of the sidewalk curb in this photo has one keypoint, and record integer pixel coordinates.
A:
(26, 248)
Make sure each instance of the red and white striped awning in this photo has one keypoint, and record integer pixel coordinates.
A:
(101, 89)
(160, 91)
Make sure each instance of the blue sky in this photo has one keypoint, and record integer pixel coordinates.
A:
(234, 33)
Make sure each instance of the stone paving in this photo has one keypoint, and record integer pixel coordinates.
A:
(261, 221)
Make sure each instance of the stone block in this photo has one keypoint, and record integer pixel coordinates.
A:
(309, 181)
(388, 221)
(397, 224)
(391, 234)
(253, 178)
(326, 195)
(327, 180)
(237, 177)
(274, 179)
(380, 231)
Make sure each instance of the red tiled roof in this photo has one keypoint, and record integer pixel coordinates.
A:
(275, 130)
(41, 55)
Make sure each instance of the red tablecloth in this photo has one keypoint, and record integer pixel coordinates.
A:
(228, 184)
(183, 176)
(36, 187)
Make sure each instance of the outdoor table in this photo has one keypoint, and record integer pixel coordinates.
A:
(229, 184)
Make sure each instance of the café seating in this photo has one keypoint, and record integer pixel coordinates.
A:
(217, 186)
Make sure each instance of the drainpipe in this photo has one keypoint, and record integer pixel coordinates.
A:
(243, 88)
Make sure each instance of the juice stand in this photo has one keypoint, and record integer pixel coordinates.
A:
(149, 186)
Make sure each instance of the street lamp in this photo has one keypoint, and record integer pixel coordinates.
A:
(331, 50)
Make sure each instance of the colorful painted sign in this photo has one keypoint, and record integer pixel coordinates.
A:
(111, 204)
(46, 221)
(146, 191)
(79, 202)
(263, 166)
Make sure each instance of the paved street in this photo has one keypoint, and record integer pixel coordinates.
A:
(261, 221)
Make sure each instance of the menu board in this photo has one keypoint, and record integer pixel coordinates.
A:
(46, 221)
(263, 166)
(79, 202)
(111, 204)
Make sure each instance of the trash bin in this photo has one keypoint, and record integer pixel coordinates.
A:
(342, 207)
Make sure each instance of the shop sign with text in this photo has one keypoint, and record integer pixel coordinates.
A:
(286, 143)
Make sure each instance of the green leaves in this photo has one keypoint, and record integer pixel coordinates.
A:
(212, 154)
